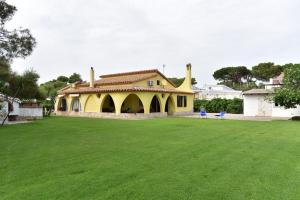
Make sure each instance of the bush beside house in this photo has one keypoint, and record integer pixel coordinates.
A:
(234, 106)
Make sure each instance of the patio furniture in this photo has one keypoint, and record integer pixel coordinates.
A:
(203, 114)
(221, 115)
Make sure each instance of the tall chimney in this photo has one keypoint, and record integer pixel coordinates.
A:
(187, 83)
(92, 77)
(188, 76)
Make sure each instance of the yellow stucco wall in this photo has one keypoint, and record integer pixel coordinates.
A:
(94, 102)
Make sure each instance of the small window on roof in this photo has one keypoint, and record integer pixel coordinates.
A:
(158, 82)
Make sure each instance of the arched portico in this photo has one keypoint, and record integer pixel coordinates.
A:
(155, 105)
(170, 105)
(132, 104)
(92, 103)
(108, 105)
(62, 104)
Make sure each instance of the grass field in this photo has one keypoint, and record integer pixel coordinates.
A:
(174, 158)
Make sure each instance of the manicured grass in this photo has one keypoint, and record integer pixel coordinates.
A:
(174, 158)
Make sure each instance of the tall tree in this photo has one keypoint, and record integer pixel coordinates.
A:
(13, 43)
(63, 79)
(265, 71)
(26, 84)
(74, 77)
(232, 75)
(289, 95)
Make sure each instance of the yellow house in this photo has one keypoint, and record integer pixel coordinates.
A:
(139, 94)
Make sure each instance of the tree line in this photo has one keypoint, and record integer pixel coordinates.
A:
(242, 78)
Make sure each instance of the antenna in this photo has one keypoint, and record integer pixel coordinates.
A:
(164, 68)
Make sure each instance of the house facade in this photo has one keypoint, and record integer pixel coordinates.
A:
(138, 93)
(259, 103)
(210, 92)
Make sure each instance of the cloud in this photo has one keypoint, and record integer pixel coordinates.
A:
(124, 35)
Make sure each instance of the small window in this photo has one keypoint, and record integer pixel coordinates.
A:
(158, 82)
(181, 101)
(150, 83)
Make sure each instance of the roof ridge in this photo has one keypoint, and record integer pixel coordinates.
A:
(130, 73)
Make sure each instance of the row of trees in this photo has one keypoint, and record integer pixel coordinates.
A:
(25, 85)
(242, 78)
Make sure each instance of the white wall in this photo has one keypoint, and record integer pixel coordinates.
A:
(31, 112)
(259, 105)
(251, 105)
(282, 112)
(16, 108)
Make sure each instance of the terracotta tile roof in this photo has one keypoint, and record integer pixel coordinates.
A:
(128, 77)
(278, 79)
(125, 79)
(119, 88)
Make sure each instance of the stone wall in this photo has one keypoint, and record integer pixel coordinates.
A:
(112, 115)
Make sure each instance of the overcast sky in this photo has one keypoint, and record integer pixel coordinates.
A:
(125, 35)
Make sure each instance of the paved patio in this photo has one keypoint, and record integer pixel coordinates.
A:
(239, 117)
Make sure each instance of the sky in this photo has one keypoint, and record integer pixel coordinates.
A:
(126, 35)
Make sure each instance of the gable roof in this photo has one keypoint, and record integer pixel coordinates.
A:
(119, 82)
(130, 77)
(119, 88)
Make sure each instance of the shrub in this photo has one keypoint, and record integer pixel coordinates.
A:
(234, 106)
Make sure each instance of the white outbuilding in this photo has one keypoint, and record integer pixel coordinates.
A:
(259, 103)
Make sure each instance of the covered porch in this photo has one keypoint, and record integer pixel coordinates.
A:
(117, 104)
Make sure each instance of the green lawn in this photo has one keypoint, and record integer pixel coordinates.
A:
(174, 158)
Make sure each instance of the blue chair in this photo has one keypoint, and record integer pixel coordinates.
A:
(221, 115)
(203, 114)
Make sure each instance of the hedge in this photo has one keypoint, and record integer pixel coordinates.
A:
(234, 106)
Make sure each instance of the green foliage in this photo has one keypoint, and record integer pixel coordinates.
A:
(232, 74)
(50, 88)
(15, 43)
(265, 71)
(289, 95)
(49, 92)
(238, 78)
(178, 81)
(29, 88)
(4, 70)
(63, 79)
(74, 78)
(234, 106)
(48, 105)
